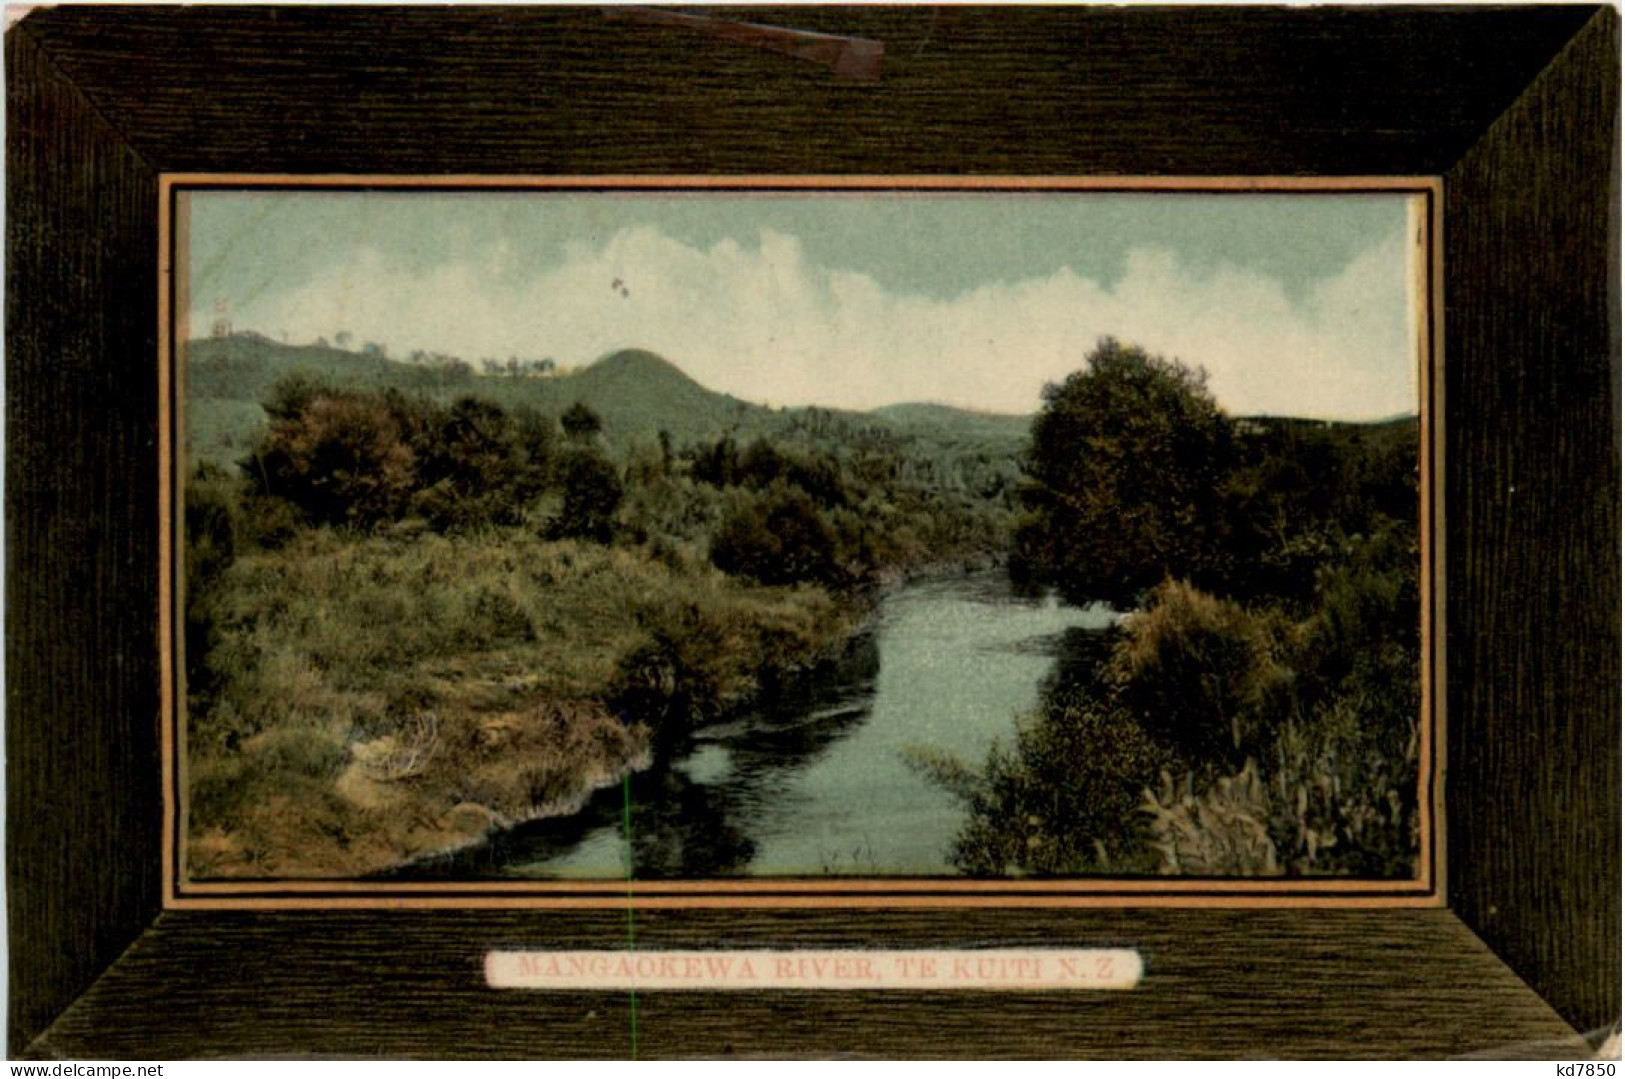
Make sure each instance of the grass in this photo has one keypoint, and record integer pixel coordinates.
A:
(376, 700)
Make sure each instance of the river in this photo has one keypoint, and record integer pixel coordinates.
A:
(817, 781)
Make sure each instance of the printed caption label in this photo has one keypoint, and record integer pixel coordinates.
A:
(975, 969)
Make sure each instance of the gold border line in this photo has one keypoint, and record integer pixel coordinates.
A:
(677, 184)
(1133, 885)
(1426, 890)
(1284, 901)
(168, 706)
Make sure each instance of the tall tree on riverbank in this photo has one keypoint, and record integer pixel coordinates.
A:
(1124, 479)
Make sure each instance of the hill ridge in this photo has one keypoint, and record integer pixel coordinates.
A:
(636, 392)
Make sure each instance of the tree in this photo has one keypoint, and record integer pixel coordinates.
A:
(592, 493)
(476, 468)
(341, 457)
(718, 464)
(580, 422)
(777, 539)
(1123, 479)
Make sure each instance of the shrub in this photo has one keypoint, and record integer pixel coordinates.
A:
(581, 423)
(1222, 832)
(592, 493)
(1332, 801)
(780, 538)
(1123, 478)
(477, 467)
(688, 669)
(1063, 799)
(212, 523)
(340, 457)
(1202, 672)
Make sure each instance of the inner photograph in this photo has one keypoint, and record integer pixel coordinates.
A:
(713, 533)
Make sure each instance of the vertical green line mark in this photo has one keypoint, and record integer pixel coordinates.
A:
(631, 927)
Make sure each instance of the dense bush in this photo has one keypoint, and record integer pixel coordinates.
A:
(686, 671)
(477, 466)
(1302, 492)
(1202, 673)
(1213, 740)
(581, 423)
(363, 459)
(212, 523)
(339, 457)
(1124, 479)
(1063, 799)
(779, 538)
(592, 491)
(1272, 671)
(819, 473)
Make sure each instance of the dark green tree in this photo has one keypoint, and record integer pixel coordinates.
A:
(581, 423)
(592, 493)
(778, 539)
(341, 457)
(476, 468)
(718, 464)
(1124, 479)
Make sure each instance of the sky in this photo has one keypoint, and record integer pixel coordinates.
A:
(1294, 303)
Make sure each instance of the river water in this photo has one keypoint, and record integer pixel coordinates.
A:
(817, 780)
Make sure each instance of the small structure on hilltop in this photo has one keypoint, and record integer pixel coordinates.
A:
(221, 327)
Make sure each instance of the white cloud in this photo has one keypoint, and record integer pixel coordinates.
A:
(761, 321)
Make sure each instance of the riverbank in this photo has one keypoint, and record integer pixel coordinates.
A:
(372, 703)
(814, 777)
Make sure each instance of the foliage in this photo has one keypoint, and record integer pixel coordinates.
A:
(1201, 672)
(592, 492)
(212, 524)
(779, 538)
(1334, 801)
(1293, 757)
(1062, 799)
(1302, 491)
(580, 422)
(341, 458)
(478, 465)
(1123, 479)
(930, 461)
(363, 459)
(1220, 832)
(1274, 660)
(380, 698)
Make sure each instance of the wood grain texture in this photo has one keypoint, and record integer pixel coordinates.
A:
(102, 99)
(964, 90)
(81, 542)
(1532, 389)
(1218, 984)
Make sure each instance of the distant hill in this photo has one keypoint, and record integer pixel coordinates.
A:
(1398, 419)
(244, 367)
(637, 394)
(956, 422)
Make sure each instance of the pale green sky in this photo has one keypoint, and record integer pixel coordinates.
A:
(852, 300)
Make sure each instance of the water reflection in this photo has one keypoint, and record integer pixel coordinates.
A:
(693, 813)
(817, 781)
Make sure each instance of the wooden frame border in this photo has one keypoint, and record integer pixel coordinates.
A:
(1516, 108)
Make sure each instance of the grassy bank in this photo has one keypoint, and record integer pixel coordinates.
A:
(416, 614)
(365, 702)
